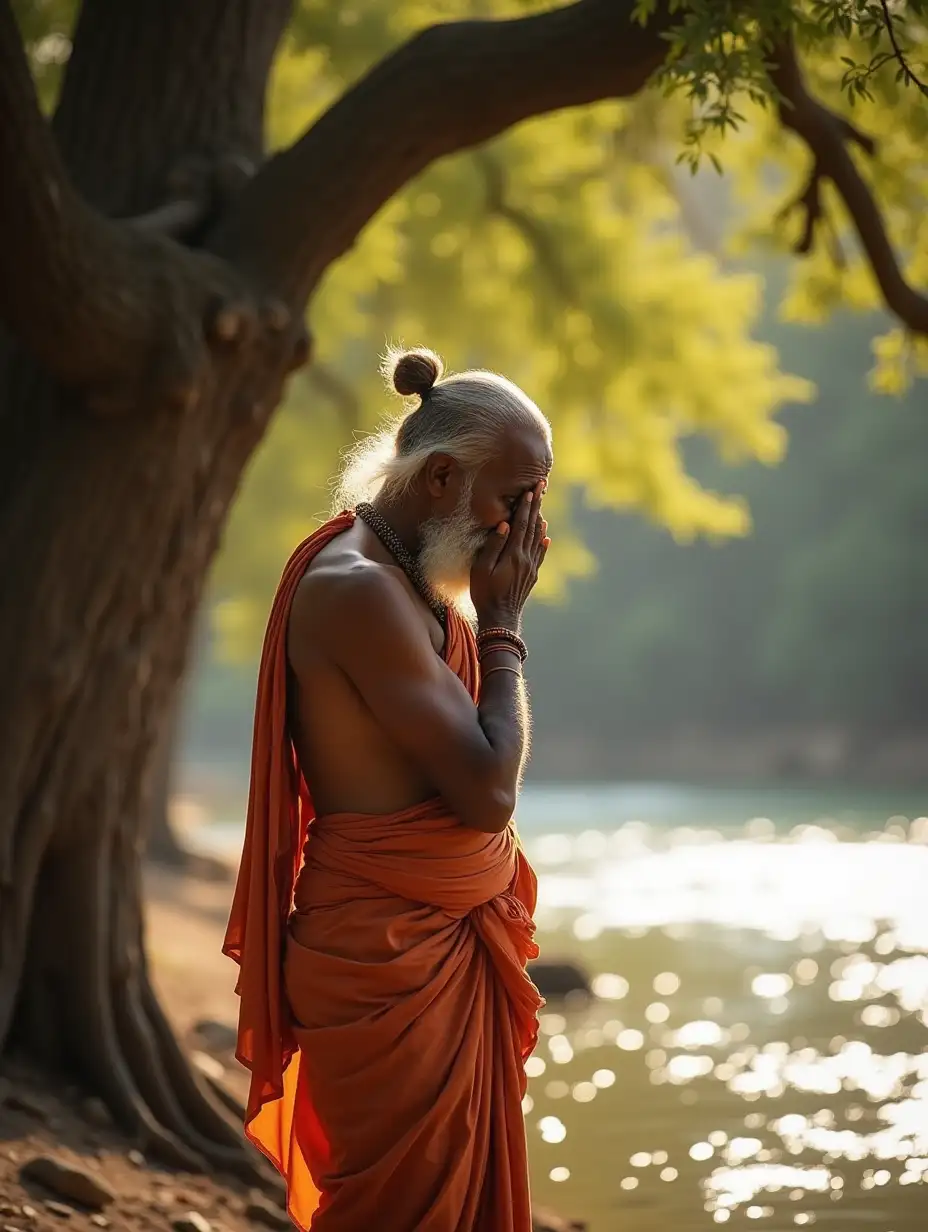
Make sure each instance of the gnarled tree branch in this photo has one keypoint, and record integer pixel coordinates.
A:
(113, 308)
(69, 284)
(100, 301)
(889, 20)
(449, 88)
(532, 231)
(828, 135)
(43, 298)
(457, 85)
(175, 218)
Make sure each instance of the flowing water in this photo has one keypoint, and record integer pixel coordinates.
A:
(754, 1054)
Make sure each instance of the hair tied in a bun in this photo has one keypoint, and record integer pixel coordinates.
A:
(413, 372)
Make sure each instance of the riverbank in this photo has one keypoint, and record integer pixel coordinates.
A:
(755, 1054)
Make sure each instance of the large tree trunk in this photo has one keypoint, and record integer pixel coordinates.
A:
(108, 526)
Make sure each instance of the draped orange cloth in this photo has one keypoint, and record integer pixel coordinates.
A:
(386, 1014)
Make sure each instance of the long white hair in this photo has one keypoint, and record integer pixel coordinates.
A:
(461, 415)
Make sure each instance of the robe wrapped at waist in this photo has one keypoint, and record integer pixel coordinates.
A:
(426, 857)
(423, 853)
(405, 975)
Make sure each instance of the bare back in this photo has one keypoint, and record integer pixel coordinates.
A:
(347, 755)
(379, 720)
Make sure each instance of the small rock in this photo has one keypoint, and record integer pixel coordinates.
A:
(8, 1227)
(21, 1101)
(190, 1197)
(549, 1221)
(59, 1209)
(99, 1221)
(208, 1065)
(29, 1212)
(260, 1210)
(559, 979)
(193, 1221)
(217, 1036)
(6, 1208)
(137, 1158)
(68, 1181)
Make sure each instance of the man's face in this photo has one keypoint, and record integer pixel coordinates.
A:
(523, 460)
(487, 497)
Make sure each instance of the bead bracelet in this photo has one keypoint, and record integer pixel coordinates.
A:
(501, 647)
(501, 667)
(487, 638)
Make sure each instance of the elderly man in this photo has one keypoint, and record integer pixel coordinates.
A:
(382, 916)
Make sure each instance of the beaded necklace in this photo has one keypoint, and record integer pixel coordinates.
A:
(404, 558)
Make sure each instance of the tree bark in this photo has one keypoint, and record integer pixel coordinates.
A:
(108, 525)
(162, 845)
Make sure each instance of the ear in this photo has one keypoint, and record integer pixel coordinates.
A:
(443, 475)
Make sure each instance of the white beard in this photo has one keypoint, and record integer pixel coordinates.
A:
(449, 546)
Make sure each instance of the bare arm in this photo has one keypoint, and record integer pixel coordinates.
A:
(504, 716)
(374, 632)
(502, 579)
(371, 627)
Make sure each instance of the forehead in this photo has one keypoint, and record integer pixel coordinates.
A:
(523, 457)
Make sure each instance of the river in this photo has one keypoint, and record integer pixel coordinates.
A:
(755, 1050)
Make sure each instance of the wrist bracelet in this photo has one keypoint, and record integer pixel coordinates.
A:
(501, 634)
(501, 667)
(500, 648)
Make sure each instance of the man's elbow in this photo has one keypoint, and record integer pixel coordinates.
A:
(493, 813)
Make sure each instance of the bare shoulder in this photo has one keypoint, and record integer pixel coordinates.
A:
(346, 601)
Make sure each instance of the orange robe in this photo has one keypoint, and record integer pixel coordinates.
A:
(386, 1014)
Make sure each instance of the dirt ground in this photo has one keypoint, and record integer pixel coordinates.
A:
(41, 1119)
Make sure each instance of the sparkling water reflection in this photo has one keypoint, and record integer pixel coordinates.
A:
(753, 1052)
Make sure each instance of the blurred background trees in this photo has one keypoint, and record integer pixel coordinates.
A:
(659, 318)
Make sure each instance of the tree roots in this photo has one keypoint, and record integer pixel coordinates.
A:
(87, 1005)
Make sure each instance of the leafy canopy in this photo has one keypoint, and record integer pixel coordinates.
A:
(577, 254)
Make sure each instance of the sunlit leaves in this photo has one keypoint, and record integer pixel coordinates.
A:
(720, 55)
(770, 168)
(554, 254)
(575, 256)
(46, 27)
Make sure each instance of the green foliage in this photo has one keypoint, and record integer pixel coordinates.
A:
(565, 254)
(554, 254)
(817, 618)
(720, 55)
(46, 27)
